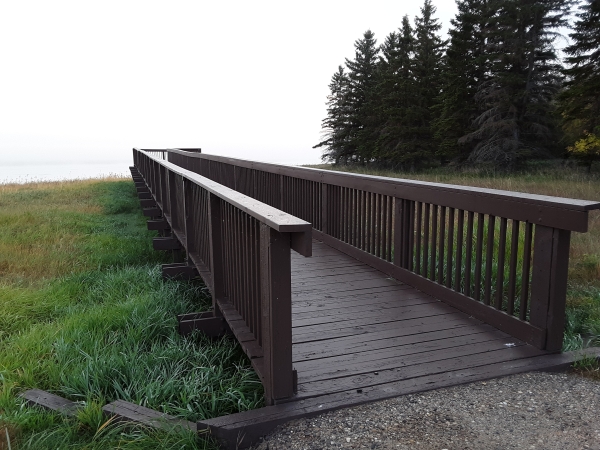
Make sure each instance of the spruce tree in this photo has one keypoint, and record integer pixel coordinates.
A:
(580, 101)
(361, 76)
(336, 125)
(524, 75)
(426, 69)
(396, 90)
(463, 71)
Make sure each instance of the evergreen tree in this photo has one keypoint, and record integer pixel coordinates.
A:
(580, 102)
(361, 76)
(426, 69)
(516, 99)
(336, 125)
(396, 89)
(464, 70)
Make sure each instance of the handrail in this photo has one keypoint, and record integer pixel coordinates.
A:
(500, 256)
(455, 196)
(241, 248)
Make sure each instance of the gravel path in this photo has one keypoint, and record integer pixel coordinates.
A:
(527, 411)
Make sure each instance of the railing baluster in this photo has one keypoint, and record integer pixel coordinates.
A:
(459, 250)
(501, 256)
(440, 274)
(489, 249)
(450, 254)
(512, 272)
(434, 232)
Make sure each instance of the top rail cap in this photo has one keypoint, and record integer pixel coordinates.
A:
(275, 218)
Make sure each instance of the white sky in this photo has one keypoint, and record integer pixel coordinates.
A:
(84, 81)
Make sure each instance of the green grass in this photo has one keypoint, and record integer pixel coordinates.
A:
(86, 315)
(583, 296)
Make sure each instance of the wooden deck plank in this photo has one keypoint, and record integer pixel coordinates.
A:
(362, 285)
(332, 280)
(325, 295)
(391, 338)
(448, 364)
(330, 273)
(383, 299)
(370, 320)
(376, 314)
(399, 357)
(411, 326)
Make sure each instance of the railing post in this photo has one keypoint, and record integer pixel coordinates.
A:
(403, 230)
(215, 240)
(549, 283)
(276, 306)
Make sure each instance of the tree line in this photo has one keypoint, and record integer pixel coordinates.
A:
(495, 93)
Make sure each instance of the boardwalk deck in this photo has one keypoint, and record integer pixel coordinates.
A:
(386, 305)
(354, 327)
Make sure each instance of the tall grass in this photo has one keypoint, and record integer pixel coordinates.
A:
(86, 315)
(583, 295)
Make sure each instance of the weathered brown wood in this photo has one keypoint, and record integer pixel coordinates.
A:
(149, 203)
(166, 243)
(512, 267)
(556, 212)
(46, 400)
(181, 271)
(210, 326)
(520, 329)
(158, 224)
(245, 428)
(123, 411)
(276, 317)
(152, 212)
(347, 319)
(549, 283)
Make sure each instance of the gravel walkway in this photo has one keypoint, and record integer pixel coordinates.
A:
(527, 411)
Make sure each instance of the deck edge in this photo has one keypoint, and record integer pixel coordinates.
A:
(240, 430)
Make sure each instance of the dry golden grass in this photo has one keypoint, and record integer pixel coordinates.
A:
(43, 226)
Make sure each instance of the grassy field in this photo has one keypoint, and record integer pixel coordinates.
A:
(583, 296)
(86, 315)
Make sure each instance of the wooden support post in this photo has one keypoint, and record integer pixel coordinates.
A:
(276, 307)
(152, 212)
(549, 283)
(179, 271)
(216, 251)
(158, 225)
(403, 231)
(166, 243)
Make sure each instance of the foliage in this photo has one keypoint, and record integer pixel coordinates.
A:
(580, 100)
(587, 149)
(487, 98)
(96, 323)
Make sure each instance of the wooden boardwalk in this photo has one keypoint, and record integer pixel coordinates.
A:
(407, 286)
(353, 328)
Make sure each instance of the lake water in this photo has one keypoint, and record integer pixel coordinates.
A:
(23, 173)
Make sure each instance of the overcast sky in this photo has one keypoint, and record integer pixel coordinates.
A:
(86, 81)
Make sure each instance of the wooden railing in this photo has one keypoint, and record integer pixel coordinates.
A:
(500, 256)
(241, 248)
